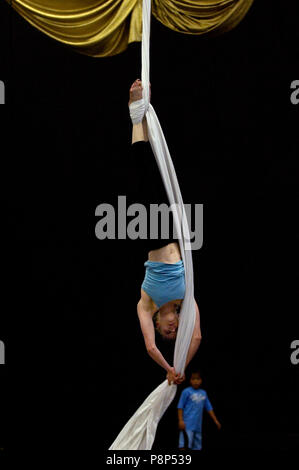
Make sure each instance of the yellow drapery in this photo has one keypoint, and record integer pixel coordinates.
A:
(102, 28)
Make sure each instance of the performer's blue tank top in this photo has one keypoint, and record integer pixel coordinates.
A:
(164, 282)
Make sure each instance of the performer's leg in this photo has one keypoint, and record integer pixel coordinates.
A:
(145, 186)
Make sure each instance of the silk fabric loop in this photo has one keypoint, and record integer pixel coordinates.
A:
(137, 110)
(139, 432)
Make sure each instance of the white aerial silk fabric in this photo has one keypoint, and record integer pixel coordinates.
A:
(137, 110)
(139, 432)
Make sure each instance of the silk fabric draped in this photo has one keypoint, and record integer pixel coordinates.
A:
(102, 28)
(139, 432)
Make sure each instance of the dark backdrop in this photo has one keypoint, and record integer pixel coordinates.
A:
(76, 360)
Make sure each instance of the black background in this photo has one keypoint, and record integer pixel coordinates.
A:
(76, 362)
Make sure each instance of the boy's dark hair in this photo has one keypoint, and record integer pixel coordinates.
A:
(196, 372)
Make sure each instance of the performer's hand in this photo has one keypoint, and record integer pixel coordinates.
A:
(179, 379)
(182, 425)
(171, 376)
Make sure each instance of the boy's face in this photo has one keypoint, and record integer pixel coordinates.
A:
(195, 381)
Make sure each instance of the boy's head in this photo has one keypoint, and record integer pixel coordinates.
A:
(195, 379)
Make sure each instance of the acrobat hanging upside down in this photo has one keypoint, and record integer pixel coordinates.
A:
(163, 288)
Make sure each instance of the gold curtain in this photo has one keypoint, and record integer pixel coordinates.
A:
(102, 28)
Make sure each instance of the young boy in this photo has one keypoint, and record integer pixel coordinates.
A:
(192, 402)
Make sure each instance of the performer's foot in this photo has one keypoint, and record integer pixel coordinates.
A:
(135, 91)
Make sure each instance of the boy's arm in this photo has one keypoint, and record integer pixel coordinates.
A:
(196, 337)
(181, 419)
(213, 416)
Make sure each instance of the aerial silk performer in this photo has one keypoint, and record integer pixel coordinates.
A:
(163, 288)
(105, 28)
(139, 432)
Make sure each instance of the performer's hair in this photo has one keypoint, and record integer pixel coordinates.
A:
(155, 319)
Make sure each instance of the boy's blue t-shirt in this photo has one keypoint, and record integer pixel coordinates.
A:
(193, 402)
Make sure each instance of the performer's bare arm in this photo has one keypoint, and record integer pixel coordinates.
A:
(196, 337)
(145, 315)
(148, 331)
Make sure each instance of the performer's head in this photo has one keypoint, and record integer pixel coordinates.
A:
(167, 320)
(195, 379)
